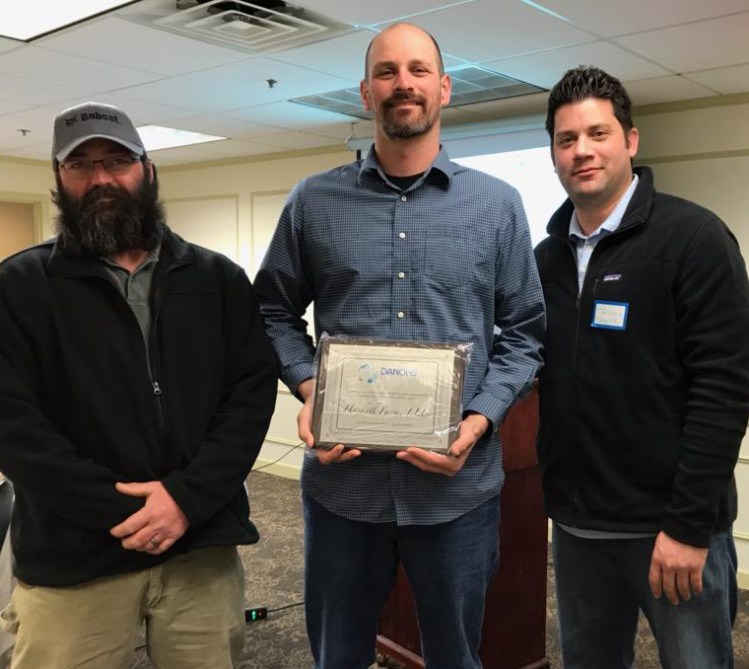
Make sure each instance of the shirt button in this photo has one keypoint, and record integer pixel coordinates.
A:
(401, 275)
(402, 235)
(403, 198)
(401, 314)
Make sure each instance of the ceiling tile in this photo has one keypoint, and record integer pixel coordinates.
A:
(613, 17)
(665, 89)
(7, 107)
(30, 92)
(298, 140)
(130, 45)
(725, 80)
(142, 113)
(224, 126)
(717, 43)
(340, 56)
(365, 13)
(547, 67)
(9, 44)
(38, 120)
(236, 85)
(287, 114)
(498, 30)
(61, 69)
(232, 148)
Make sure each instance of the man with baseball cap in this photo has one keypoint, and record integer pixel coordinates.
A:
(136, 387)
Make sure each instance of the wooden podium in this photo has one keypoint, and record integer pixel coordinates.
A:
(514, 632)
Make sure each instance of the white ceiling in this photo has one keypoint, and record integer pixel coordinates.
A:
(663, 50)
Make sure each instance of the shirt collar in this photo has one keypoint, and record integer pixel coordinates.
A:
(152, 257)
(612, 222)
(440, 172)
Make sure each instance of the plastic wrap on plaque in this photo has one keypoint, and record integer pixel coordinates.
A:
(388, 395)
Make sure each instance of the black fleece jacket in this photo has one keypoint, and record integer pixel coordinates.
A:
(79, 409)
(641, 427)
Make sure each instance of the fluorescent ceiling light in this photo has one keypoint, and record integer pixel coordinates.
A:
(28, 20)
(157, 137)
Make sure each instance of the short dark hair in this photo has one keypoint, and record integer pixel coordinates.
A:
(440, 63)
(585, 82)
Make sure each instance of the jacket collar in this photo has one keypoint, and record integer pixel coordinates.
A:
(174, 252)
(637, 212)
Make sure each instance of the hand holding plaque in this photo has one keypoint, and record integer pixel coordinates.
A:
(388, 395)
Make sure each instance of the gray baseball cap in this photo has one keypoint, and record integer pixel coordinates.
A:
(90, 120)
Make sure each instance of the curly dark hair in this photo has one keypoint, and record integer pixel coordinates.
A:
(585, 82)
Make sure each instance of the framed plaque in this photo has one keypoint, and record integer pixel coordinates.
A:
(388, 395)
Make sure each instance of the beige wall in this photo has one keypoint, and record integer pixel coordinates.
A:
(703, 155)
(16, 227)
(234, 209)
(29, 182)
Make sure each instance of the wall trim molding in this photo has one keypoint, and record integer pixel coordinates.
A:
(686, 157)
(282, 469)
(728, 100)
(259, 158)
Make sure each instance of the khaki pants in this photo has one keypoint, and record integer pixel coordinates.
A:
(193, 607)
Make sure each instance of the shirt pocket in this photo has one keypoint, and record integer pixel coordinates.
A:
(450, 262)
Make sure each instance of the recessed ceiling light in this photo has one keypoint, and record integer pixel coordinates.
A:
(27, 21)
(157, 137)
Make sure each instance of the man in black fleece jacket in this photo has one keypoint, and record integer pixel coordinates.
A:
(644, 396)
(136, 387)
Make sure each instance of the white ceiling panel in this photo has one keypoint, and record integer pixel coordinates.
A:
(665, 89)
(361, 13)
(487, 30)
(7, 107)
(224, 126)
(37, 120)
(32, 93)
(696, 46)
(62, 69)
(141, 113)
(8, 44)
(290, 141)
(233, 148)
(613, 17)
(287, 114)
(340, 56)
(725, 80)
(131, 45)
(546, 68)
(236, 85)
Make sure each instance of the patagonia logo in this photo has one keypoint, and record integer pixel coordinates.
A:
(612, 277)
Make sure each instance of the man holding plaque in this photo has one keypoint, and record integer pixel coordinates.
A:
(404, 246)
(644, 396)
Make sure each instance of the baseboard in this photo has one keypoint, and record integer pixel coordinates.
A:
(743, 578)
(282, 469)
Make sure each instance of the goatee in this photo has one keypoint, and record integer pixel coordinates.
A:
(109, 220)
(396, 128)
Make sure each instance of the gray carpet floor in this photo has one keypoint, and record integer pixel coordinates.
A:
(274, 578)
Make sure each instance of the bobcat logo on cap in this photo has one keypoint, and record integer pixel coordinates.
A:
(71, 121)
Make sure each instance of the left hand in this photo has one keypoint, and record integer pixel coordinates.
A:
(472, 428)
(676, 569)
(154, 528)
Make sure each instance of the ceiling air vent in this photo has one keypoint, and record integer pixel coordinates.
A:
(470, 84)
(257, 27)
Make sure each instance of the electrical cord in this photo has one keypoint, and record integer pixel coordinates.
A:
(270, 464)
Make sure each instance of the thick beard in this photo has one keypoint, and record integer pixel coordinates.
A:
(108, 220)
(406, 129)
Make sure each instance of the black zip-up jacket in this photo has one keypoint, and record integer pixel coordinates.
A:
(79, 409)
(641, 426)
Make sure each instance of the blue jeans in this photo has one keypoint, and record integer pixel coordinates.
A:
(350, 569)
(603, 583)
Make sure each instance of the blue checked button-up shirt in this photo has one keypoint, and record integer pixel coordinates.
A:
(447, 260)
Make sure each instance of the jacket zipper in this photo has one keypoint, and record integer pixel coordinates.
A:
(154, 358)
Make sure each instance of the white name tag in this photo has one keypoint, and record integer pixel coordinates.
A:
(610, 315)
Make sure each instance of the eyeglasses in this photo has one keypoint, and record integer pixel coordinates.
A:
(82, 168)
